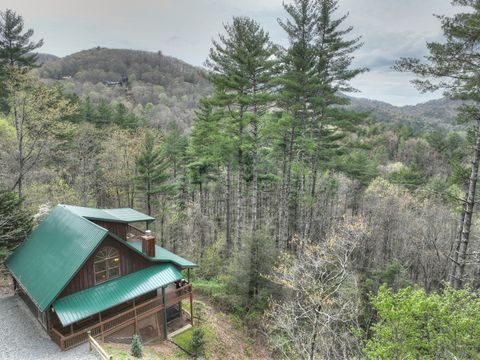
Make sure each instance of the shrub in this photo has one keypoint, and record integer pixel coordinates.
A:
(197, 343)
(136, 348)
(199, 310)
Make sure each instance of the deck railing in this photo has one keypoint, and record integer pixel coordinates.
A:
(119, 321)
(94, 345)
(178, 294)
(134, 231)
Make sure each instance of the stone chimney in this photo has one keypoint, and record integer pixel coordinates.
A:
(148, 243)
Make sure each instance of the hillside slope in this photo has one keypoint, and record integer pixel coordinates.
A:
(160, 87)
(166, 89)
(439, 113)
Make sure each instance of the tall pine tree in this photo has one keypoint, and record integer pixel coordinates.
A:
(152, 170)
(16, 49)
(242, 65)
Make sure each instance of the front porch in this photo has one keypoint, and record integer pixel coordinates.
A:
(147, 316)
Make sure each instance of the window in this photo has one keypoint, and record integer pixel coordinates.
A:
(106, 265)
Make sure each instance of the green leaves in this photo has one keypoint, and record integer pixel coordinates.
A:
(15, 222)
(415, 325)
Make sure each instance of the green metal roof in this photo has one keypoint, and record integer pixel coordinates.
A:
(125, 215)
(83, 304)
(52, 254)
(162, 255)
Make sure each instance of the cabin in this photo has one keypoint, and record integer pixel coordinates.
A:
(91, 271)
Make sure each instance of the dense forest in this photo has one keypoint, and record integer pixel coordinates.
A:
(331, 226)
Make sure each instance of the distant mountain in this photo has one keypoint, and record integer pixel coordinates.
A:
(165, 87)
(169, 89)
(44, 58)
(437, 114)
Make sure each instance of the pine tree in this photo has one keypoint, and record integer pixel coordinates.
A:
(197, 343)
(136, 347)
(151, 167)
(210, 144)
(103, 113)
(242, 67)
(331, 78)
(16, 48)
(298, 63)
(15, 222)
(453, 66)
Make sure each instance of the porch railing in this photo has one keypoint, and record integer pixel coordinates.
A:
(134, 231)
(119, 321)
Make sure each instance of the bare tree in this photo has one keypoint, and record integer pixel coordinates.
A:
(320, 304)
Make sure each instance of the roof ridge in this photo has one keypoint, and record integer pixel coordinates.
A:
(65, 206)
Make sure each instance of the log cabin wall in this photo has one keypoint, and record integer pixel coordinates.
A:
(130, 262)
(119, 229)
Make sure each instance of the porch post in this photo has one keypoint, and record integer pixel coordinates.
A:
(188, 275)
(191, 307)
(164, 312)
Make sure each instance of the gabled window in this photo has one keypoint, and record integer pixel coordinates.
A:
(106, 264)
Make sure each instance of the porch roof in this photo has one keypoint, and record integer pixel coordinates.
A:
(125, 215)
(91, 301)
(162, 255)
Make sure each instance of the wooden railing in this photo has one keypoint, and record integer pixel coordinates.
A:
(179, 294)
(94, 345)
(134, 231)
(125, 318)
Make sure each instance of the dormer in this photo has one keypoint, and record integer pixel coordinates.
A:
(124, 222)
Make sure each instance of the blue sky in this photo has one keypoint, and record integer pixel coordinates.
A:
(185, 28)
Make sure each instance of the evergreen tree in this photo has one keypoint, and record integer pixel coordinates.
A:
(87, 111)
(197, 343)
(453, 66)
(120, 113)
(136, 347)
(103, 113)
(298, 64)
(317, 69)
(16, 48)
(151, 167)
(210, 144)
(15, 222)
(242, 67)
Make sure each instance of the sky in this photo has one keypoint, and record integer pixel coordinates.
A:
(390, 29)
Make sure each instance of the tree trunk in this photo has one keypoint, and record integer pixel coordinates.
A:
(255, 179)
(228, 234)
(467, 219)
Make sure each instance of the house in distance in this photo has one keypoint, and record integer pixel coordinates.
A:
(90, 270)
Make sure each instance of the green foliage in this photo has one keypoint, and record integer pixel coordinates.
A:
(199, 310)
(152, 167)
(415, 325)
(16, 49)
(197, 342)
(408, 177)
(136, 347)
(15, 222)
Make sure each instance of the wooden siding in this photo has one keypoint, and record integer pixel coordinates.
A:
(130, 262)
(118, 229)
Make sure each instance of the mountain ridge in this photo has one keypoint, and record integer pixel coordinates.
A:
(175, 87)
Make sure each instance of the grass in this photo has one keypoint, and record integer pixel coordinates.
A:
(183, 339)
(148, 354)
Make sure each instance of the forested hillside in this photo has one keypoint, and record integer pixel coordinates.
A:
(159, 88)
(331, 227)
(433, 115)
(171, 89)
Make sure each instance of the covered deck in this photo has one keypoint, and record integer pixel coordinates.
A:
(116, 310)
